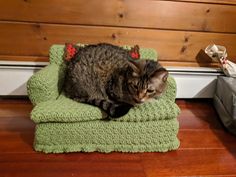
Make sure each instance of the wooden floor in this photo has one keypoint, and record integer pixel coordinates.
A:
(206, 149)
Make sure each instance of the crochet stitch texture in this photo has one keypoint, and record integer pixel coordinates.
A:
(63, 125)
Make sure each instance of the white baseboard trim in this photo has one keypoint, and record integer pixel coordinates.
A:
(191, 82)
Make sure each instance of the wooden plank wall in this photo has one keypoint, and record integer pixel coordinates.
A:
(177, 29)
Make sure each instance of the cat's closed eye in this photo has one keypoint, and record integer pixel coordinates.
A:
(150, 90)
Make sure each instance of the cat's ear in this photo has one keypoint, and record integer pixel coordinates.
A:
(162, 75)
(138, 65)
(135, 69)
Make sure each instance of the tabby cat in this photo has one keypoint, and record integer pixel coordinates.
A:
(105, 75)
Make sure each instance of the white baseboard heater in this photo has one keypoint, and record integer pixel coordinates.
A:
(191, 82)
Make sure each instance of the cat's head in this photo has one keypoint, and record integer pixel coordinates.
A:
(146, 79)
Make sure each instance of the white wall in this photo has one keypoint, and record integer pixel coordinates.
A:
(191, 82)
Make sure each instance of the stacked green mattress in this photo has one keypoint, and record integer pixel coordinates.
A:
(63, 125)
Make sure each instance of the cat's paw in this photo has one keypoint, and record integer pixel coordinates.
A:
(119, 110)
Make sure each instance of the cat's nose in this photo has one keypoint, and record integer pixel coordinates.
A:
(141, 96)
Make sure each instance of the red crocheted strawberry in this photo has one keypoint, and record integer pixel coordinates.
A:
(134, 52)
(70, 51)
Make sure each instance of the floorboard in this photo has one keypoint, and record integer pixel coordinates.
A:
(206, 149)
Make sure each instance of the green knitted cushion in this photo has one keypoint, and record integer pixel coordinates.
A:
(107, 136)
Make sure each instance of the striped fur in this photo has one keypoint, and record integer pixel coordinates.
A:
(102, 75)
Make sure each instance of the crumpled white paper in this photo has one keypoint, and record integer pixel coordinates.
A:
(218, 53)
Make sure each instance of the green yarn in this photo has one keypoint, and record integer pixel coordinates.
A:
(107, 136)
(46, 84)
(63, 125)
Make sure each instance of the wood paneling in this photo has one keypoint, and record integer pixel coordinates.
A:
(164, 63)
(229, 2)
(35, 39)
(129, 13)
(178, 30)
(206, 149)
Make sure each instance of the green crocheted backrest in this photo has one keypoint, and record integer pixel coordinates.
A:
(57, 51)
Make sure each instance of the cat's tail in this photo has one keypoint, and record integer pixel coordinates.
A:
(114, 110)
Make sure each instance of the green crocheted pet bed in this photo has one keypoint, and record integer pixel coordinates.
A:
(63, 125)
